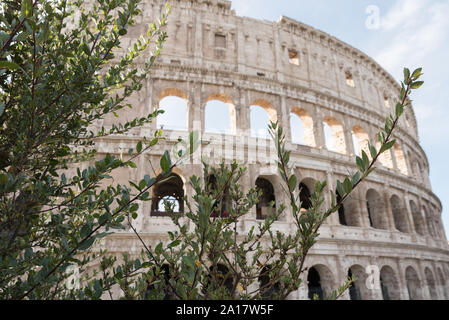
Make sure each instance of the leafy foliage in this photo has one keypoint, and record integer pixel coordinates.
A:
(58, 78)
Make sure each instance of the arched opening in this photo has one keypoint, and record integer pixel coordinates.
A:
(357, 289)
(168, 196)
(268, 288)
(314, 284)
(261, 113)
(389, 284)
(219, 115)
(349, 79)
(376, 210)
(360, 139)
(430, 280)
(400, 159)
(341, 211)
(267, 201)
(175, 116)
(413, 284)
(304, 196)
(301, 126)
(334, 135)
(320, 281)
(418, 219)
(399, 214)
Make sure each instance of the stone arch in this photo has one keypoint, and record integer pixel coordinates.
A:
(430, 283)
(320, 281)
(418, 219)
(400, 159)
(337, 141)
(264, 207)
(399, 214)
(169, 190)
(220, 109)
(413, 284)
(261, 113)
(308, 135)
(389, 284)
(358, 289)
(360, 138)
(376, 210)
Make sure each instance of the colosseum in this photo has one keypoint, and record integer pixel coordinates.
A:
(331, 99)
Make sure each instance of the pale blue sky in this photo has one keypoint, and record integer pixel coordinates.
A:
(412, 33)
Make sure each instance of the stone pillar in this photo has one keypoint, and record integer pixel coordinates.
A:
(318, 130)
(348, 139)
(409, 214)
(389, 211)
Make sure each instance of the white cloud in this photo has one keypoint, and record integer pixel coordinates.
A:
(420, 29)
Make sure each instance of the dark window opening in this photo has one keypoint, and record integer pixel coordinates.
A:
(341, 211)
(314, 284)
(267, 201)
(293, 57)
(349, 79)
(385, 294)
(304, 197)
(168, 192)
(220, 40)
(354, 293)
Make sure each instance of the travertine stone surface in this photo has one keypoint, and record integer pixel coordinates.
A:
(213, 54)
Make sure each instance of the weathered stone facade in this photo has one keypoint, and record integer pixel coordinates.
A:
(288, 69)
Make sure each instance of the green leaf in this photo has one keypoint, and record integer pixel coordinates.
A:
(292, 183)
(365, 159)
(174, 244)
(2, 108)
(8, 65)
(85, 230)
(87, 244)
(406, 74)
(373, 151)
(417, 73)
(139, 147)
(355, 178)
(417, 84)
(399, 109)
(158, 249)
(347, 185)
(387, 146)
(340, 189)
(360, 164)
(165, 162)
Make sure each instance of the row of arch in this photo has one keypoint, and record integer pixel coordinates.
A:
(321, 282)
(220, 117)
(422, 222)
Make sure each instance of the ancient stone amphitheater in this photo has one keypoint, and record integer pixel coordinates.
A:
(331, 98)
